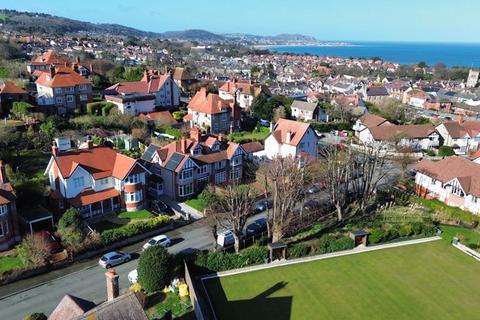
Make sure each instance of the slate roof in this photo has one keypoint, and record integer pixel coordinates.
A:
(124, 307)
(71, 307)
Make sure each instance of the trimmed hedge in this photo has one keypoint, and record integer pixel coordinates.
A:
(129, 230)
(219, 261)
(100, 108)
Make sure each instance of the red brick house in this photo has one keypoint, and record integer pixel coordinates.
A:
(9, 229)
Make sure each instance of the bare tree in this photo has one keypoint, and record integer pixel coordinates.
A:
(286, 178)
(234, 206)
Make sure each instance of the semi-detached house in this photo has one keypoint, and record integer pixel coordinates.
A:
(183, 168)
(96, 180)
(462, 136)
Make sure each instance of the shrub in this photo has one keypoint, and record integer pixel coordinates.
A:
(219, 261)
(21, 108)
(307, 233)
(70, 219)
(342, 243)
(69, 229)
(132, 229)
(106, 108)
(298, 250)
(94, 108)
(178, 115)
(430, 153)
(32, 251)
(446, 151)
(405, 230)
(376, 236)
(36, 316)
(392, 232)
(417, 228)
(153, 268)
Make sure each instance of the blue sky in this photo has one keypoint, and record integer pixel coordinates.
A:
(373, 20)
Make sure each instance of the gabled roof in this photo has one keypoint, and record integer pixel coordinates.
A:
(124, 307)
(253, 89)
(163, 116)
(63, 77)
(371, 120)
(303, 105)
(100, 162)
(283, 127)
(209, 103)
(7, 87)
(459, 130)
(151, 84)
(71, 307)
(465, 171)
(49, 57)
(377, 91)
(251, 147)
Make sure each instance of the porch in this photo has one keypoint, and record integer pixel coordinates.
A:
(92, 204)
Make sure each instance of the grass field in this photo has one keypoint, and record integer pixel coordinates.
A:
(424, 281)
(197, 204)
(9, 263)
(134, 215)
(469, 237)
(244, 136)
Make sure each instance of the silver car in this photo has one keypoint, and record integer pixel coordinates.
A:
(114, 258)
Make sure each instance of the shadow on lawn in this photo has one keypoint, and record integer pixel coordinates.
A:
(263, 306)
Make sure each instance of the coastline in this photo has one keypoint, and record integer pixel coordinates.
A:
(320, 45)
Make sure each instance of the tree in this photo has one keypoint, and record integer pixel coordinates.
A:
(236, 203)
(422, 64)
(286, 179)
(153, 268)
(261, 108)
(446, 151)
(32, 251)
(69, 229)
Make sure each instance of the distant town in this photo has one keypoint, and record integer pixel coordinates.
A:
(192, 175)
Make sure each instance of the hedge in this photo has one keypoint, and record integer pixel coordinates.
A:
(100, 108)
(327, 127)
(129, 230)
(220, 261)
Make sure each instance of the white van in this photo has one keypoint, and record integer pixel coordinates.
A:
(225, 238)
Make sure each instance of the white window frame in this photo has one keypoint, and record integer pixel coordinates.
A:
(133, 179)
(70, 98)
(58, 100)
(185, 189)
(202, 170)
(235, 174)
(186, 174)
(220, 177)
(133, 197)
(3, 209)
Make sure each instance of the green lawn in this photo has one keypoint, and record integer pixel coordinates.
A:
(104, 225)
(9, 263)
(245, 136)
(31, 162)
(160, 304)
(424, 281)
(142, 214)
(197, 204)
(469, 237)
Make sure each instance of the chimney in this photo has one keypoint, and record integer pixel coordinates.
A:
(195, 134)
(52, 72)
(460, 119)
(203, 91)
(89, 143)
(113, 288)
(183, 145)
(91, 68)
(289, 137)
(55, 151)
(146, 76)
(165, 70)
(77, 60)
(75, 67)
(3, 174)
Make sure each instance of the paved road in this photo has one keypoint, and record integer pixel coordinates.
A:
(89, 281)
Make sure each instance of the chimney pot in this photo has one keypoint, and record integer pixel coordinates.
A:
(113, 289)
(89, 142)
(52, 72)
(183, 145)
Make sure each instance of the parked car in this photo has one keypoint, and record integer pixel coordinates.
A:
(52, 245)
(114, 258)
(311, 205)
(314, 188)
(256, 227)
(225, 238)
(161, 240)
(263, 205)
(264, 123)
(133, 276)
(159, 207)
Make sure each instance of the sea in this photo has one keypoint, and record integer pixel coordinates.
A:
(450, 54)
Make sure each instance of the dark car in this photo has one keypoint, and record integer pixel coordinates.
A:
(263, 205)
(264, 123)
(52, 245)
(159, 207)
(256, 227)
(314, 188)
(311, 205)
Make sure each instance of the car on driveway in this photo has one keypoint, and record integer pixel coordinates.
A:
(159, 207)
(256, 227)
(161, 240)
(114, 258)
(263, 205)
(133, 276)
(225, 238)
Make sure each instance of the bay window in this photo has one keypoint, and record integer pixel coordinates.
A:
(185, 189)
(186, 174)
(134, 197)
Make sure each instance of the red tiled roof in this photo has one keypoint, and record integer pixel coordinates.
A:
(253, 89)
(251, 147)
(460, 130)
(100, 162)
(49, 57)
(90, 196)
(163, 116)
(372, 120)
(406, 131)
(296, 128)
(70, 307)
(64, 77)
(209, 103)
(8, 87)
(154, 84)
